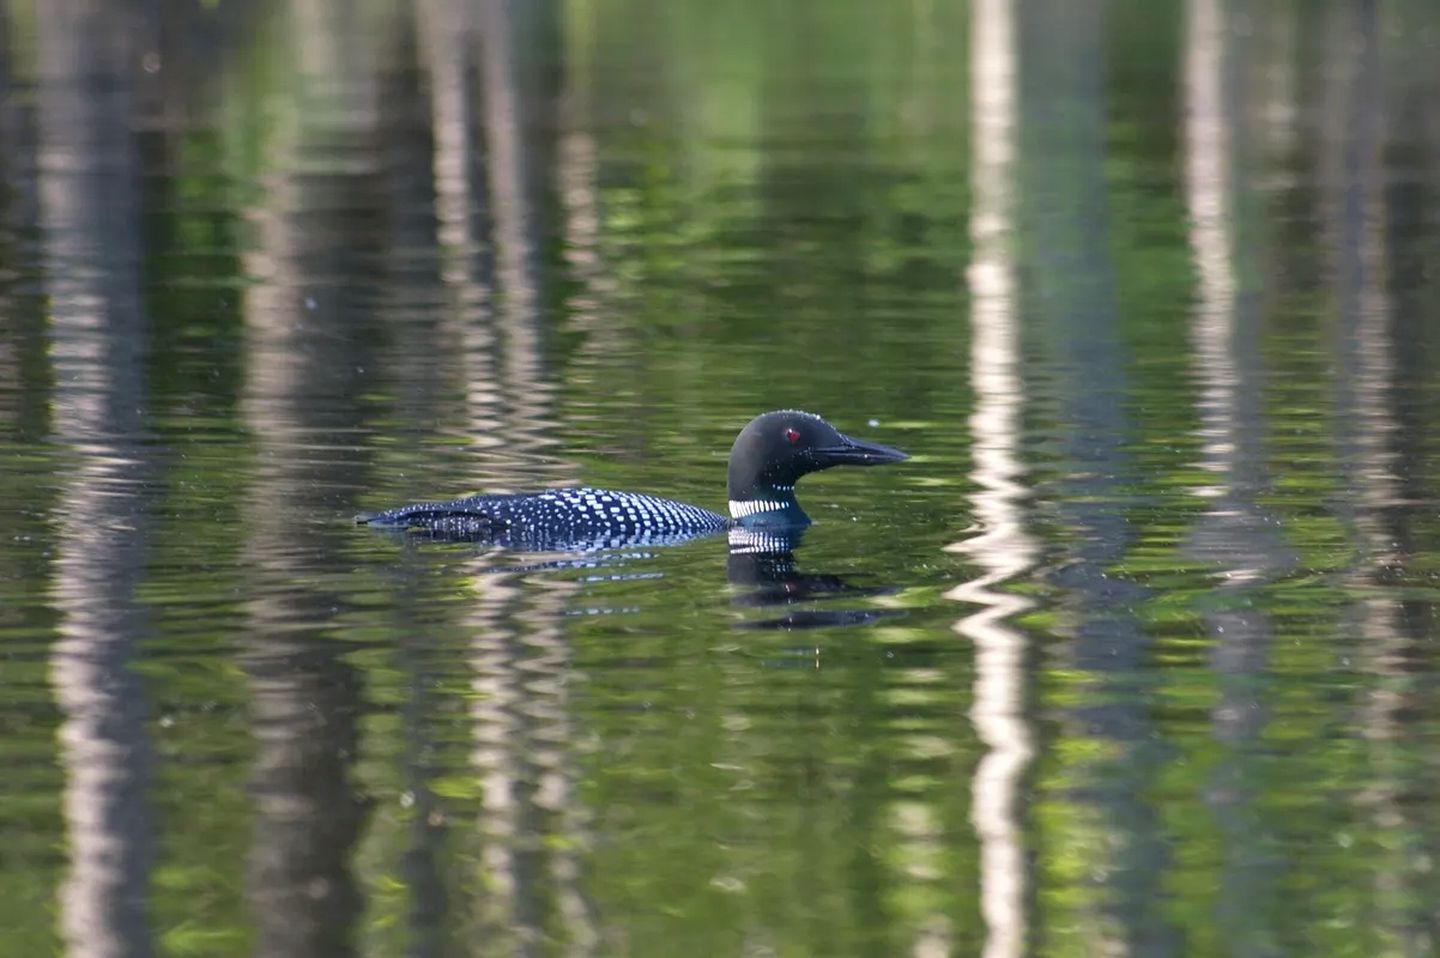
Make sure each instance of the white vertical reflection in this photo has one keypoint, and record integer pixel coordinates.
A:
(88, 177)
(1002, 548)
(1371, 440)
(483, 103)
(449, 42)
(1207, 177)
(534, 826)
(510, 109)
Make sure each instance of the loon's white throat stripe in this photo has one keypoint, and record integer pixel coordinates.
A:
(739, 510)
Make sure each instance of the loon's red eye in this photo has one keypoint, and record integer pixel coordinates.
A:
(792, 435)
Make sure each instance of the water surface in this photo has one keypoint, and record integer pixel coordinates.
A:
(1136, 655)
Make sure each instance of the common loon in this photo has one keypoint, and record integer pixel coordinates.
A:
(771, 453)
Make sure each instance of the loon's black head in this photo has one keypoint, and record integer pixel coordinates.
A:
(776, 449)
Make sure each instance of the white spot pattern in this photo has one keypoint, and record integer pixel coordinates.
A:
(572, 518)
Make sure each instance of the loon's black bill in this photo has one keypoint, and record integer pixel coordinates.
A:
(854, 452)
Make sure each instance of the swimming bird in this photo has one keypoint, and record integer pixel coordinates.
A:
(769, 456)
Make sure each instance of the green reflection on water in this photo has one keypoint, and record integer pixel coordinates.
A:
(311, 260)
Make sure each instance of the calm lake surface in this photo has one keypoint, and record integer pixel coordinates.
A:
(1139, 654)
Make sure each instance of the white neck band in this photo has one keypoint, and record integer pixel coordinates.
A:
(749, 507)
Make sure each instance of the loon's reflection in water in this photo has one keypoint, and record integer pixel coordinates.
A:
(763, 573)
(761, 567)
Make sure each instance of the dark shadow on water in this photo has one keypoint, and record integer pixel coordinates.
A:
(761, 567)
(764, 574)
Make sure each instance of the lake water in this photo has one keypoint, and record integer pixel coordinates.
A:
(1137, 655)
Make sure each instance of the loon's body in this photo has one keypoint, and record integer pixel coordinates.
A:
(573, 517)
(769, 455)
